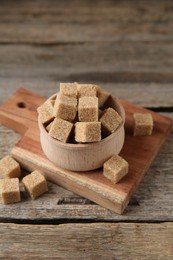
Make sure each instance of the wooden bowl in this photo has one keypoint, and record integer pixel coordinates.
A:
(84, 157)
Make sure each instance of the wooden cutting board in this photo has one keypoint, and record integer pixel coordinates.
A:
(19, 113)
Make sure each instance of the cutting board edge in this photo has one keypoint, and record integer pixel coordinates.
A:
(25, 93)
(111, 200)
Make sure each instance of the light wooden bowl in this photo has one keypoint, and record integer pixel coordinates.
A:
(84, 157)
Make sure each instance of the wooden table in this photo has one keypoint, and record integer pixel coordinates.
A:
(127, 48)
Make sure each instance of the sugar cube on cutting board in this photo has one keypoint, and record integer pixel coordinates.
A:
(115, 168)
(143, 124)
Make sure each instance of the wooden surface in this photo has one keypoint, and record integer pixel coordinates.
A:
(89, 241)
(129, 52)
(19, 112)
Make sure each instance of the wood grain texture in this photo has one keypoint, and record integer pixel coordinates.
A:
(88, 21)
(87, 241)
(59, 204)
(91, 184)
(126, 47)
(66, 205)
(153, 95)
(90, 61)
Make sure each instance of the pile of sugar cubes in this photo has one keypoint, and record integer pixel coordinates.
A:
(34, 183)
(78, 115)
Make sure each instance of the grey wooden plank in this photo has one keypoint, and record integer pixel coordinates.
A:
(130, 71)
(53, 21)
(87, 241)
(88, 61)
(143, 94)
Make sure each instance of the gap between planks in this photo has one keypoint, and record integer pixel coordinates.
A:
(78, 221)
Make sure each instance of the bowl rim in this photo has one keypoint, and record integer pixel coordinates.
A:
(84, 145)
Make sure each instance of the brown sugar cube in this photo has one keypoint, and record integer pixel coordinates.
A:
(102, 96)
(61, 130)
(68, 89)
(88, 109)
(110, 121)
(45, 111)
(35, 184)
(86, 90)
(143, 124)
(10, 192)
(65, 108)
(87, 132)
(9, 168)
(115, 168)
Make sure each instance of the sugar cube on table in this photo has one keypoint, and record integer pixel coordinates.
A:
(35, 184)
(68, 89)
(65, 107)
(86, 132)
(61, 130)
(10, 191)
(115, 168)
(9, 168)
(86, 90)
(102, 96)
(88, 109)
(45, 111)
(110, 121)
(143, 124)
